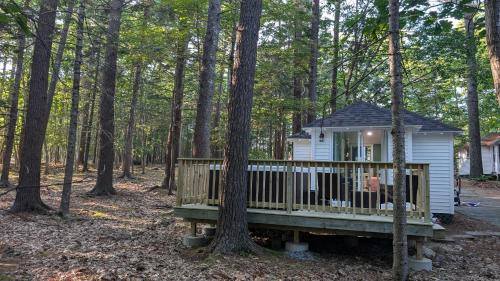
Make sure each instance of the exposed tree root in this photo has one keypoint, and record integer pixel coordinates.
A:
(6, 184)
(228, 246)
(37, 208)
(154, 187)
(127, 177)
(7, 191)
(101, 191)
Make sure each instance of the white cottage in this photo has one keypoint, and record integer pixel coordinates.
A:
(490, 155)
(361, 132)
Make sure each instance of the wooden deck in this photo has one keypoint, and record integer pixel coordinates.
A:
(362, 225)
(353, 198)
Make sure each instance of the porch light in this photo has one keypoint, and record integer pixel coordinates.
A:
(321, 136)
(369, 133)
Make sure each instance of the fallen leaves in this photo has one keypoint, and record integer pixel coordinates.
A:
(135, 236)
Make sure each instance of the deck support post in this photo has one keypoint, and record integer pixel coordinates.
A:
(193, 229)
(296, 236)
(419, 262)
(192, 240)
(419, 248)
(296, 246)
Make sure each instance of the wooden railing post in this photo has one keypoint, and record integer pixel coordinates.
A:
(427, 190)
(289, 187)
(180, 184)
(194, 185)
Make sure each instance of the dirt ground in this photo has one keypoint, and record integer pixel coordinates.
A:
(134, 236)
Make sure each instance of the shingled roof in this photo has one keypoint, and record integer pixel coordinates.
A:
(363, 114)
(491, 139)
(300, 135)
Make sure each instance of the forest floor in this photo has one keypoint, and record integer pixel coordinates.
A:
(134, 236)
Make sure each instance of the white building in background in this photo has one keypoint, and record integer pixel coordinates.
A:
(490, 154)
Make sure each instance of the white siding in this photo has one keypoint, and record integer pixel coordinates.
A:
(487, 156)
(302, 150)
(408, 150)
(323, 150)
(437, 150)
(496, 155)
(408, 145)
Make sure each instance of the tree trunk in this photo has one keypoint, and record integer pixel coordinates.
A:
(143, 137)
(28, 190)
(95, 157)
(14, 102)
(104, 184)
(57, 60)
(476, 163)
(201, 137)
(335, 61)
(297, 96)
(492, 22)
(232, 234)
(178, 96)
(168, 151)
(87, 84)
(313, 62)
(85, 167)
(231, 57)
(4, 74)
(297, 75)
(400, 244)
(85, 130)
(128, 164)
(215, 147)
(73, 123)
(85, 121)
(279, 143)
(47, 158)
(129, 137)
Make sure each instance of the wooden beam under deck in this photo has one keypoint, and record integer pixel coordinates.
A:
(348, 224)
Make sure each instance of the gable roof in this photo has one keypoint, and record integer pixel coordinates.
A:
(364, 114)
(491, 139)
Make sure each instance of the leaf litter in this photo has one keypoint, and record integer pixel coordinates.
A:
(135, 236)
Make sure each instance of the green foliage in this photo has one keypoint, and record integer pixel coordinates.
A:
(11, 12)
(432, 47)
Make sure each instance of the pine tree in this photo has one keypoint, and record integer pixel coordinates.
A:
(73, 123)
(476, 162)
(14, 102)
(28, 190)
(104, 184)
(400, 243)
(201, 138)
(492, 22)
(232, 234)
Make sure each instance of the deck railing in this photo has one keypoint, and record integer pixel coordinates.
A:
(363, 188)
